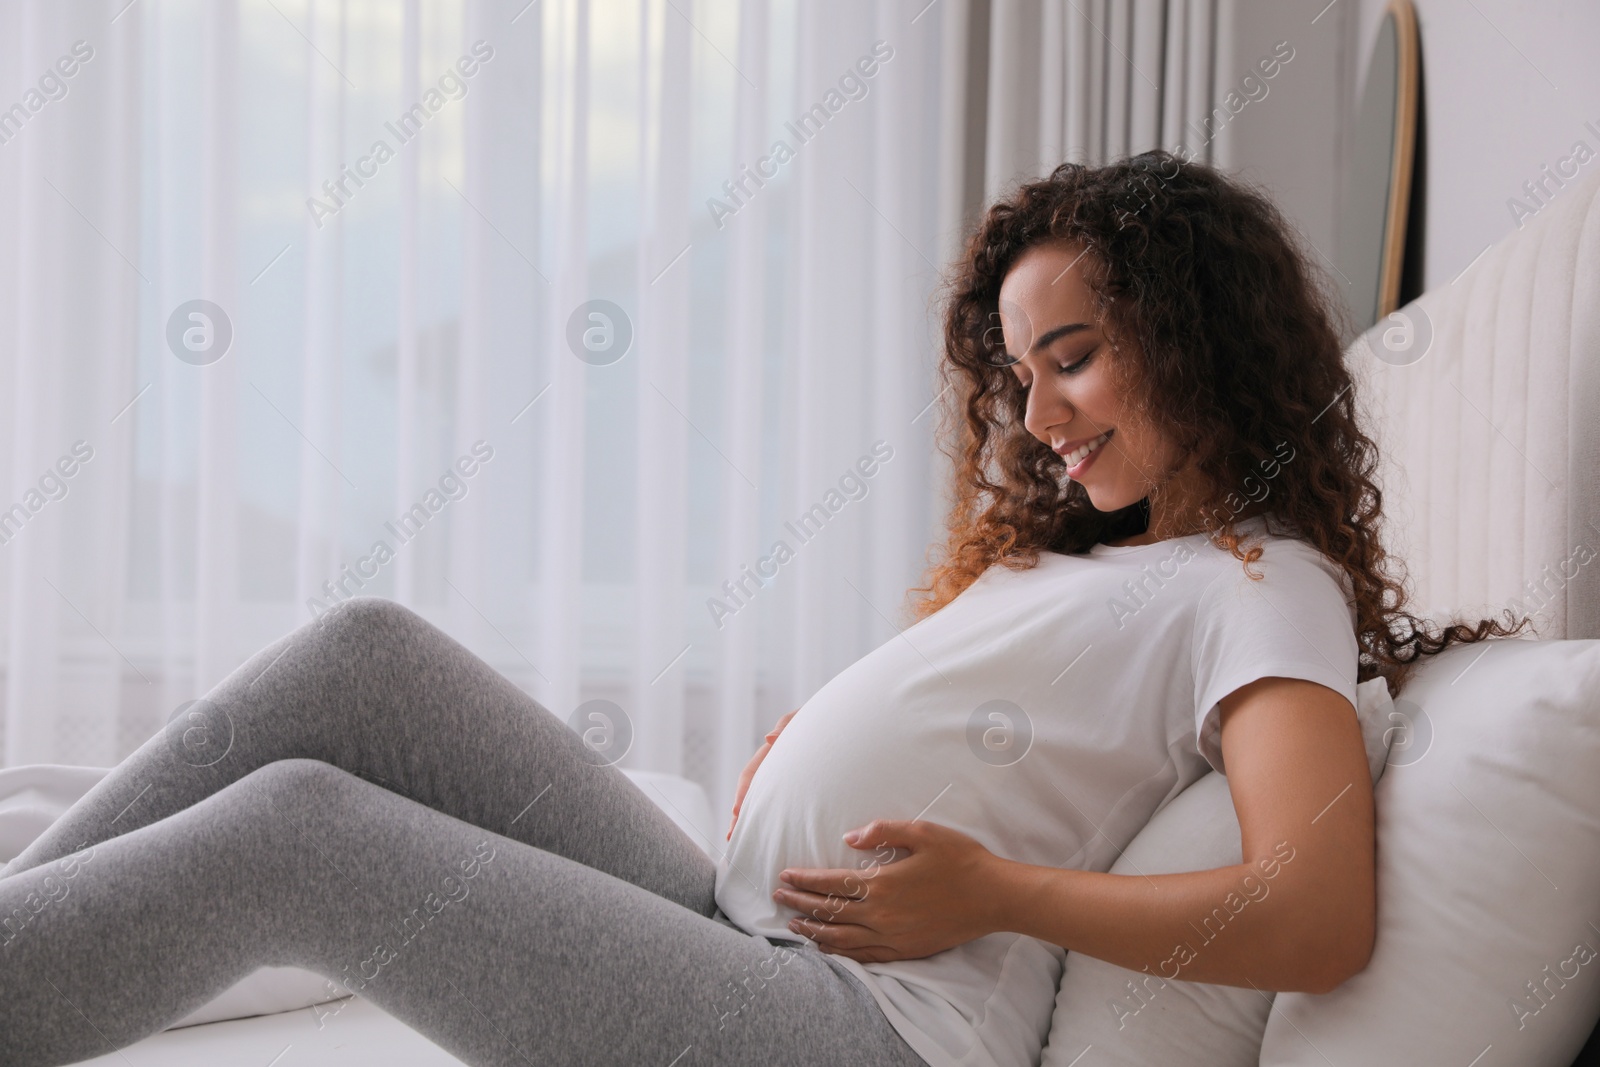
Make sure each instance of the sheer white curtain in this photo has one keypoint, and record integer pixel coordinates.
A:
(398, 217)
(1095, 80)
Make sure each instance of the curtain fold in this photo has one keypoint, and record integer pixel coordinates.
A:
(663, 417)
(1096, 80)
(217, 473)
(562, 418)
(737, 679)
(35, 620)
(404, 218)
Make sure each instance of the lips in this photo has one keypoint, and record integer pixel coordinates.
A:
(1075, 452)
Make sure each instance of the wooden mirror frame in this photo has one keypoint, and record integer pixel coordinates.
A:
(1405, 136)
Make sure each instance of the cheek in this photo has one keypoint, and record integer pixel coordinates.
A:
(1099, 389)
(1098, 401)
(1145, 455)
(1142, 448)
(1139, 449)
(1083, 398)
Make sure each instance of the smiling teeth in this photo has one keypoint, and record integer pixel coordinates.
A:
(1079, 454)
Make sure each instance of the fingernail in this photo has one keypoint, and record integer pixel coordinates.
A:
(852, 837)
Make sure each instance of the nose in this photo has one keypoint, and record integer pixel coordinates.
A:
(1046, 407)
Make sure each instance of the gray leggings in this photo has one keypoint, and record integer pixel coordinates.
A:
(368, 800)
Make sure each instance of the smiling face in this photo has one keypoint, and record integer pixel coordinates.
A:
(1075, 403)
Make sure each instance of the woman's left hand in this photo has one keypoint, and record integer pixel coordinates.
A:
(937, 897)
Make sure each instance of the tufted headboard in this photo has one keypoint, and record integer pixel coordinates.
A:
(1484, 396)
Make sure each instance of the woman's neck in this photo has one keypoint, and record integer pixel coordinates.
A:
(1150, 535)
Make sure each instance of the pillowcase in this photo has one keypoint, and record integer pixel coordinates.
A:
(1137, 1017)
(1488, 875)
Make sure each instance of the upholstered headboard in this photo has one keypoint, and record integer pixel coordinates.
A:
(1484, 394)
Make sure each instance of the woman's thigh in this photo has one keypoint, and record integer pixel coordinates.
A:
(499, 952)
(376, 690)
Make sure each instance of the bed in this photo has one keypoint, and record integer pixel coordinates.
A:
(1483, 395)
(307, 1037)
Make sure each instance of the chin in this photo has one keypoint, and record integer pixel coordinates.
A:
(1107, 502)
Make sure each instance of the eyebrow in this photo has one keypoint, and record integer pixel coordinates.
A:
(1049, 337)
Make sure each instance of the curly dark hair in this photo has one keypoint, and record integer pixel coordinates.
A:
(1237, 356)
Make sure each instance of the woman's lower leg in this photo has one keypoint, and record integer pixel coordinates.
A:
(499, 952)
(375, 690)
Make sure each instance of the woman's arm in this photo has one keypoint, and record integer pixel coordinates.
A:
(1299, 914)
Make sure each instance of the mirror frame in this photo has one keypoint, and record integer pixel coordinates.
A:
(1405, 136)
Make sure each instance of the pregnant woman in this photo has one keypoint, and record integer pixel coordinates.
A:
(1163, 557)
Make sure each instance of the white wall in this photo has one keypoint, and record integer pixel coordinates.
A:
(1289, 140)
(1508, 86)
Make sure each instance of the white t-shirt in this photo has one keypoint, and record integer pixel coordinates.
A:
(1048, 713)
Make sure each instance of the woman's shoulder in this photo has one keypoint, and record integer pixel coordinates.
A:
(1287, 556)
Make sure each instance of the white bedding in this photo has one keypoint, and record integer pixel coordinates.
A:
(352, 1030)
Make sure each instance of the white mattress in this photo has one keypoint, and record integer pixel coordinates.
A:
(359, 1033)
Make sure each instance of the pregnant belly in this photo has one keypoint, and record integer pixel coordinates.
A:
(819, 781)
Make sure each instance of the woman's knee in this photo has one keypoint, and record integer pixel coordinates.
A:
(365, 618)
(299, 785)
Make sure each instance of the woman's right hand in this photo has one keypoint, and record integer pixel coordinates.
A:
(749, 771)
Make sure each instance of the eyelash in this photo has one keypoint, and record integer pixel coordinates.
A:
(1071, 368)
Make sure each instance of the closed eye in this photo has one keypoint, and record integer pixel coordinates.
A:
(1068, 368)
(1074, 368)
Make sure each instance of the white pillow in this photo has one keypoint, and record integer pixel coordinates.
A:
(33, 797)
(1488, 876)
(1138, 1018)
